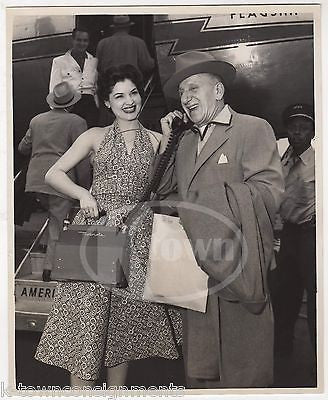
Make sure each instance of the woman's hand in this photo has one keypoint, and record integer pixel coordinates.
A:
(166, 124)
(88, 205)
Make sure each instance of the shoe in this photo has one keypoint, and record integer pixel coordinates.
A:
(46, 275)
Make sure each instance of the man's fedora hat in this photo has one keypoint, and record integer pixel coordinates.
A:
(298, 110)
(197, 62)
(63, 96)
(121, 21)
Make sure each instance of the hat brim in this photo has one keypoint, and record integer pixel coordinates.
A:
(299, 115)
(51, 101)
(224, 70)
(121, 25)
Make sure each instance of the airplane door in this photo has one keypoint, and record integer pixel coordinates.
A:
(99, 28)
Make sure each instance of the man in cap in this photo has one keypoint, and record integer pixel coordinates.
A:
(48, 137)
(79, 69)
(230, 168)
(297, 257)
(123, 48)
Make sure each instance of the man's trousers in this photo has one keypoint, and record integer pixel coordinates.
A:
(57, 208)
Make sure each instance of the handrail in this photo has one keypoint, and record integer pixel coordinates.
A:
(43, 228)
(148, 90)
(150, 80)
(18, 174)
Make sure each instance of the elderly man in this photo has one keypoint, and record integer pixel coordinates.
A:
(49, 135)
(79, 69)
(297, 257)
(232, 169)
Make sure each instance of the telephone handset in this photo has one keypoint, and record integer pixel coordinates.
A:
(178, 128)
(180, 125)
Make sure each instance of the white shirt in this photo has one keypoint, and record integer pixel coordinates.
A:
(65, 68)
(298, 203)
(223, 117)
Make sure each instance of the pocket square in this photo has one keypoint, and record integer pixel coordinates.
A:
(223, 159)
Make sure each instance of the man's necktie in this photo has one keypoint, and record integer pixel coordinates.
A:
(296, 158)
(293, 161)
(196, 130)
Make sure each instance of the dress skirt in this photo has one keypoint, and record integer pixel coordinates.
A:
(91, 325)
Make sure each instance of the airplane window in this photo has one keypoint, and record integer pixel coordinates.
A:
(29, 26)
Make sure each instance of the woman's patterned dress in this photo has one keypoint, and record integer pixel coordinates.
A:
(88, 325)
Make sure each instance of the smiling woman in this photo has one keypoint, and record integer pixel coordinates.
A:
(111, 327)
(121, 90)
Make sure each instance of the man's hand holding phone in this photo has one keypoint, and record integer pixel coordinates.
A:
(166, 124)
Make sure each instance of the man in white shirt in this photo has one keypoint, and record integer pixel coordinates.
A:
(79, 69)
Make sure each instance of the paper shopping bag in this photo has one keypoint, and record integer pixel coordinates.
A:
(173, 275)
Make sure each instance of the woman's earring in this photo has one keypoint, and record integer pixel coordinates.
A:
(107, 104)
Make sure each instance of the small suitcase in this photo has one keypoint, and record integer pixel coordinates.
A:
(92, 253)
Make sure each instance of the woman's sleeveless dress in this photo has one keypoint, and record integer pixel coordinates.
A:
(88, 325)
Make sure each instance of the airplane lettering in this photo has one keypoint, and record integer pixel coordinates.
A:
(38, 292)
(32, 292)
(255, 15)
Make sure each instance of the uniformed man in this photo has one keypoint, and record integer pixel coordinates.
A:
(297, 257)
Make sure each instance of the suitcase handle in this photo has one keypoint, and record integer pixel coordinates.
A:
(67, 221)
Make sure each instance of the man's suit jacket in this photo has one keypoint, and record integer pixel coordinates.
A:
(248, 143)
(231, 343)
(49, 136)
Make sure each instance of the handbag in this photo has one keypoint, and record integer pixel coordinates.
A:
(92, 253)
(173, 275)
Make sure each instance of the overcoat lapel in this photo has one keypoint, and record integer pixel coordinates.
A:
(219, 136)
(189, 156)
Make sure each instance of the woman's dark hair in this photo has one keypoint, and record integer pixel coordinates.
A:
(118, 73)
